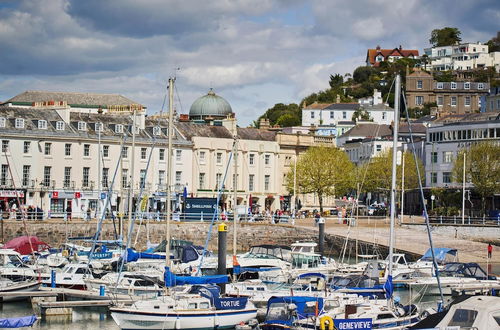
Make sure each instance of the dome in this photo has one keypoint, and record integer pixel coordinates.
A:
(210, 105)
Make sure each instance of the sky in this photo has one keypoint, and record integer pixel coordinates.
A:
(254, 53)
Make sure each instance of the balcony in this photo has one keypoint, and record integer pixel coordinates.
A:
(87, 185)
(70, 185)
(48, 184)
(28, 184)
(6, 183)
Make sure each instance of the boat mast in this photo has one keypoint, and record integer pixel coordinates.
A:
(169, 166)
(397, 92)
(132, 170)
(235, 190)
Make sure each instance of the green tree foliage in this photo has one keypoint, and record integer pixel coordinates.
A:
(361, 114)
(445, 37)
(482, 169)
(494, 44)
(376, 175)
(419, 112)
(324, 171)
(362, 73)
(279, 110)
(336, 80)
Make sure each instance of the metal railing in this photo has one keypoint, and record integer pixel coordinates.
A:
(468, 220)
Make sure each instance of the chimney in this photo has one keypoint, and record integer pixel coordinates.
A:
(338, 99)
(378, 47)
(400, 47)
(264, 123)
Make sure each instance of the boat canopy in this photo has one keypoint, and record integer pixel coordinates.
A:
(305, 307)
(442, 255)
(306, 275)
(172, 280)
(18, 322)
(22, 245)
(134, 256)
(212, 292)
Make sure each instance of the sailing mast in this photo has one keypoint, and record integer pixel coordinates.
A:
(132, 170)
(397, 92)
(169, 166)
(235, 190)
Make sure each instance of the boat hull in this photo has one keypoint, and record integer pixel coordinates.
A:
(132, 319)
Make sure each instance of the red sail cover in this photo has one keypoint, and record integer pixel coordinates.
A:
(22, 245)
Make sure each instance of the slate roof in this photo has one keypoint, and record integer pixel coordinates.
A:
(483, 116)
(368, 130)
(72, 98)
(256, 134)
(190, 130)
(31, 117)
(343, 106)
(416, 128)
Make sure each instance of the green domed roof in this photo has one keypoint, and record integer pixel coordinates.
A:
(210, 105)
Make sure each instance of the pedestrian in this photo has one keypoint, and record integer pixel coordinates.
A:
(88, 213)
(317, 217)
(68, 212)
(490, 250)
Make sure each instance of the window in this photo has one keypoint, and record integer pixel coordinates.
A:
(4, 174)
(267, 179)
(178, 177)
(251, 159)
(439, 100)
(419, 84)
(46, 175)
(434, 157)
(82, 126)
(378, 147)
(178, 155)
(219, 158)
(67, 149)
(2, 122)
(344, 115)
(439, 85)
(161, 177)
(19, 123)
(67, 177)
(267, 159)
(99, 127)
(384, 115)
(105, 151)
(143, 153)
(467, 85)
(60, 125)
(42, 124)
(124, 178)
(434, 177)
(453, 85)
(26, 175)
(446, 177)
(161, 154)
(86, 174)
(467, 101)
(202, 156)
(447, 157)
(463, 318)
(312, 114)
(202, 181)
(453, 102)
(498, 104)
(5, 146)
(105, 177)
(332, 113)
(86, 150)
(48, 148)
(26, 147)
(251, 178)
(142, 178)
(218, 179)
(480, 86)
(124, 152)
(419, 100)
(118, 128)
(157, 130)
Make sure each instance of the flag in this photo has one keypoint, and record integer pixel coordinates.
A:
(185, 193)
(388, 287)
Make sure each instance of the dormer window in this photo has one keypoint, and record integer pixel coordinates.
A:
(42, 124)
(480, 86)
(157, 130)
(2, 122)
(60, 126)
(82, 126)
(439, 85)
(99, 127)
(119, 128)
(467, 85)
(453, 85)
(19, 123)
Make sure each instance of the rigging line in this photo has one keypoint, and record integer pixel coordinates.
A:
(23, 210)
(178, 99)
(216, 213)
(109, 191)
(426, 216)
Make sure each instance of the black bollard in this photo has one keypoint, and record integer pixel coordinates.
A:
(321, 226)
(221, 254)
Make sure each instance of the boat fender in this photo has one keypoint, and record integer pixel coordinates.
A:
(326, 320)
(65, 253)
(177, 323)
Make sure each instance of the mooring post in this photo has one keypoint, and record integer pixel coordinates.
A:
(221, 254)
(102, 290)
(321, 238)
(52, 278)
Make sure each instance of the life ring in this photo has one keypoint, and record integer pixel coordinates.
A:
(325, 319)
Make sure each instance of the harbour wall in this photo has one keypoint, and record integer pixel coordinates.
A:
(478, 233)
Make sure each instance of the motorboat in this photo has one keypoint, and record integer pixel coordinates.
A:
(7, 285)
(72, 276)
(13, 268)
(196, 307)
(142, 284)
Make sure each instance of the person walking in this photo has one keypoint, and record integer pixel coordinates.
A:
(68, 212)
(490, 250)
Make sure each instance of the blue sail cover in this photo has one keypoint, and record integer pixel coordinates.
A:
(239, 270)
(439, 253)
(18, 322)
(134, 256)
(172, 280)
(300, 302)
(306, 275)
(388, 287)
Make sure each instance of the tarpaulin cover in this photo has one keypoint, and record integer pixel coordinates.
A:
(18, 322)
(388, 287)
(134, 256)
(301, 303)
(22, 245)
(212, 292)
(239, 270)
(440, 254)
(172, 280)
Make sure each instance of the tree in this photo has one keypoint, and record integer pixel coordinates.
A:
(362, 74)
(494, 44)
(336, 80)
(280, 109)
(361, 114)
(288, 120)
(482, 169)
(445, 37)
(324, 171)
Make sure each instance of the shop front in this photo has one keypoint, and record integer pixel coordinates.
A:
(65, 204)
(10, 200)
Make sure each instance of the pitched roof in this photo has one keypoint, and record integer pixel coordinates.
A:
(72, 98)
(316, 106)
(468, 117)
(373, 53)
(369, 130)
(249, 133)
(343, 106)
(190, 130)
